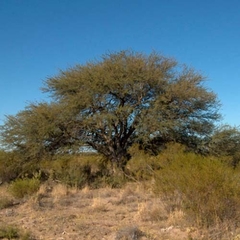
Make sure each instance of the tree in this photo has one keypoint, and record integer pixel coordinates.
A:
(124, 98)
(225, 141)
(38, 130)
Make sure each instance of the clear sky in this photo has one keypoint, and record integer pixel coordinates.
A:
(39, 37)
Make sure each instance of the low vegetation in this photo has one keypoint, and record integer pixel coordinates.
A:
(12, 232)
(204, 188)
(176, 195)
(21, 188)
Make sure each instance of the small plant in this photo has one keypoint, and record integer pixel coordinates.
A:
(27, 236)
(24, 187)
(9, 232)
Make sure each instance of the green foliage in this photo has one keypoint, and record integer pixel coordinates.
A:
(13, 165)
(124, 98)
(141, 166)
(207, 189)
(10, 166)
(75, 170)
(72, 171)
(34, 131)
(113, 181)
(21, 188)
(9, 232)
(92, 170)
(12, 232)
(226, 142)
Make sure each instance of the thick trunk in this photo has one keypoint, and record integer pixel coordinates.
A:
(114, 147)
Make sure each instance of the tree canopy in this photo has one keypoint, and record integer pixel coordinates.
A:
(225, 141)
(109, 104)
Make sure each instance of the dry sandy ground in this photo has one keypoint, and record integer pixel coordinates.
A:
(58, 213)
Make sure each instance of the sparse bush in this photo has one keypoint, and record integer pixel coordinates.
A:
(24, 187)
(205, 188)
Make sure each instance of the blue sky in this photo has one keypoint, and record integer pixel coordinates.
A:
(39, 37)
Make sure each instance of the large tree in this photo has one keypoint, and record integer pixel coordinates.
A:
(123, 98)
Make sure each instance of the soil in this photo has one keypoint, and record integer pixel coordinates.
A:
(59, 213)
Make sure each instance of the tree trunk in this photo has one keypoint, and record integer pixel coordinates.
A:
(119, 161)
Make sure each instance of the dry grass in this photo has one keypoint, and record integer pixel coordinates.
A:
(4, 191)
(6, 199)
(58, 212)
(176, 218)
(86, 193)
(100, 205)
(60, 190)
(152, 210)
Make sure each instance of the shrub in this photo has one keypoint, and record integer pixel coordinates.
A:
(206, 188)
(77, 170)
(141, 166)
(10, 166)
(14, 165)
(24, 187)
(113, 181)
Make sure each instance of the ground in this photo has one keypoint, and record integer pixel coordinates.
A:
(60, 213)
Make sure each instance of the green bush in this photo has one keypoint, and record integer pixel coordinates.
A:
(13, 165)
(207, 189)
(24, 187)
(141, 166)
(10, 166)
(77, 170)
